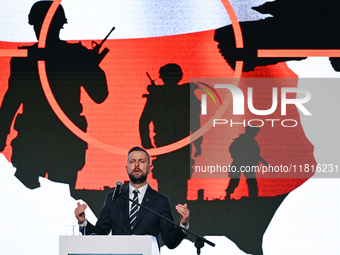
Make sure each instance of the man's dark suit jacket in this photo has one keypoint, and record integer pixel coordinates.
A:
(115, 217)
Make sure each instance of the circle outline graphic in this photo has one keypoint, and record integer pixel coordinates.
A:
(113, 149)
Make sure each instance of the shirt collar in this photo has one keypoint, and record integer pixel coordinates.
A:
(142, 190)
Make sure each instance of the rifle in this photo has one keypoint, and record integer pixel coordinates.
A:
(152, 84)
(264, 162)
(151, 80)
(96, 47)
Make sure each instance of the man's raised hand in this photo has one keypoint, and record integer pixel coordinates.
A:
(79, 212)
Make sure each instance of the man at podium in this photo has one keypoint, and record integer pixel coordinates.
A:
(122, 217)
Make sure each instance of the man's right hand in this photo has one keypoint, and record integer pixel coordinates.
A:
(79, 212)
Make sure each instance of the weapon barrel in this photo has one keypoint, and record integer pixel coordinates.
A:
(100, 45)
(149, 76)
(151, 80)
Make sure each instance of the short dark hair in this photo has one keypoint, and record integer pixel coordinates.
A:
(137, 148)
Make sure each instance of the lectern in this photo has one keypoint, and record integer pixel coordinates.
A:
(108, 245)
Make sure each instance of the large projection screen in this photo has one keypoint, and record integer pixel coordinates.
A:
(65, 128)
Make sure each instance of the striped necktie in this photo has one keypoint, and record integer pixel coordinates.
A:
(134, 209)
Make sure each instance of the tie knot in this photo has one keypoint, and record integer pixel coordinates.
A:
(135, 192)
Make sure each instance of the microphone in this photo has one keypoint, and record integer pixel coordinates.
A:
(116, 192)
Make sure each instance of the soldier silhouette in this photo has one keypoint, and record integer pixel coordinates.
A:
(44, 146)
(174, 111)
(245, 152)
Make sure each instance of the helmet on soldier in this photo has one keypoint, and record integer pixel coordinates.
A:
(39, 11)
(171, 71)
(252, 130)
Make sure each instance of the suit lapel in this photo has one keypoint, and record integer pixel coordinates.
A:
(147, 200)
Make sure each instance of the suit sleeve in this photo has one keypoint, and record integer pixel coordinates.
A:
(172, 236)
(103, 225)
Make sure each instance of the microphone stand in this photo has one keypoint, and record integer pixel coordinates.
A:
(200, 240)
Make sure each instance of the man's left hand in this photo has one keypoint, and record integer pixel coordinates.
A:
(184, 212)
